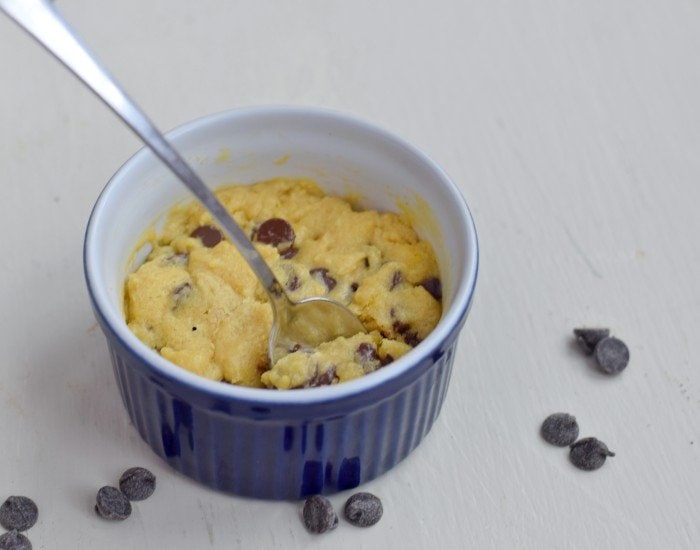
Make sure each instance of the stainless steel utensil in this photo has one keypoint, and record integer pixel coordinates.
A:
(305, 323)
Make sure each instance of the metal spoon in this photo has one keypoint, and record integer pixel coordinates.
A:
(306, 323)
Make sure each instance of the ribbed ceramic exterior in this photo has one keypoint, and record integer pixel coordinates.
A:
(267, 443)
(284, 451)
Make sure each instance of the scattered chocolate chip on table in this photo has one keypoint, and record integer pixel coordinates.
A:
(112, 504)
(18, 513)
(560, 429)
(588, 338)
(589, 453)
(14, 540)
(612, 355)
(318, 514)
(137, 483)
(363, 509)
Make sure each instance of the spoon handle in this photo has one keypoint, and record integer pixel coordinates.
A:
(44, 23)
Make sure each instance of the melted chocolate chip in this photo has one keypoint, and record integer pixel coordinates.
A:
(276, 232)
(276, 289)
(208, 234)
(354, 286)
(293, 283)
(367, 262)
(367, 352)
(412, 339)
(434, 287)
(181, 292)
(401, 328)
(396, 280)
(325, 379)
(404, 329)
(290, 253)
(329, 281)
(317, 380)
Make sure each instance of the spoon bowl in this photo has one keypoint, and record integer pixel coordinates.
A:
(308, 323)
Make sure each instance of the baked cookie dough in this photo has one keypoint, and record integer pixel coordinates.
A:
(196, 301)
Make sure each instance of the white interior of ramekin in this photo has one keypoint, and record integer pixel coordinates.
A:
(343, 155)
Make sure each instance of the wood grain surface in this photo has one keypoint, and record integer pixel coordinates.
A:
(573, 130)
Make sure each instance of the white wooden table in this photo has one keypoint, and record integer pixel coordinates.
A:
(573, 129)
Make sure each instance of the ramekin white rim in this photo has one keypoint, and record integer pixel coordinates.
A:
(449, 322)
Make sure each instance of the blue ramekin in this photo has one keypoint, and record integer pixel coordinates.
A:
(283, 444)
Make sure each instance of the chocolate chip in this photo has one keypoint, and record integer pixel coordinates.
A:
(18, 513)
(293, 283)
(14, 540)
(412, 339)
(434, 287)
(589, 453)
(208, 234)
(366, 262)
(276, 289)
(367, 352)
(363, 509)
(404, 329)
(354, 286)
(322, 272)
(112, 504)
(396, 280)
(181, 292)
(289, 253)
(276, 232)
(612, 355)
(137, 483)
(398, 326)
(325, 379)
(384, 361)
(318, 514)
(559, 429)
(588, 338)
